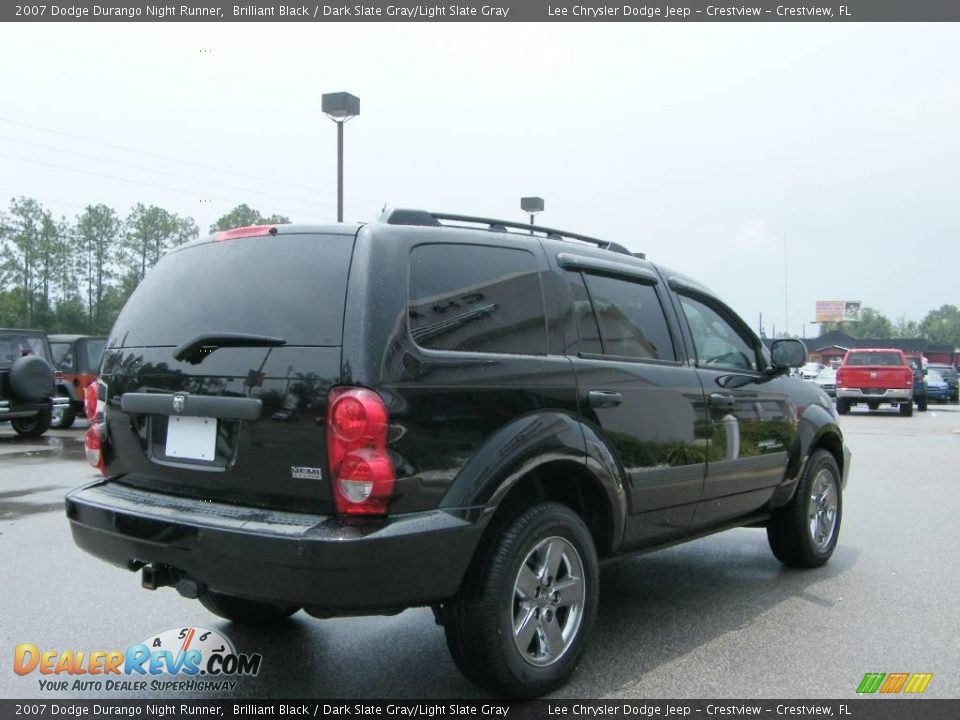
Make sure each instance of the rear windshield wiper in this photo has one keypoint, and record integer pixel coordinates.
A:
(197, 348)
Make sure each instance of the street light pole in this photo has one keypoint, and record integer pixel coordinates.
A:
(339, 170)
(340, 107)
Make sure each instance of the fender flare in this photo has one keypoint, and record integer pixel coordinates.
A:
(532, 441)
(813, 427)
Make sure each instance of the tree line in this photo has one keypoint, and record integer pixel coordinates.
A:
(941, 326)
(73, 275)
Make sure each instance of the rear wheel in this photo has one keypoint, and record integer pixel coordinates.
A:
(521, 619)
(32, 427)
(873, 405)
(804, 533)
(241, 610)
(63, 417)
(906, 409)
(843, 406)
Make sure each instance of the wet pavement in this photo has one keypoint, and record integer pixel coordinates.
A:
(718, 617)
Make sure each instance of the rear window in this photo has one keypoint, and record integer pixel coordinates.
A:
(94, 353)
(875, 358)
(287, 286)
(476, 298)
(13, 345)
(945, 371)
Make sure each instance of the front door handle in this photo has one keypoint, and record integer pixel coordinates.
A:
(722, 401)
(604, 398)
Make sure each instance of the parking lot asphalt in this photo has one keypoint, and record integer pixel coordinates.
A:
(717, 617)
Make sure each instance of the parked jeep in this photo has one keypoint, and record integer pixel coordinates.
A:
(78, 358)
(485, 411)
(27, 382)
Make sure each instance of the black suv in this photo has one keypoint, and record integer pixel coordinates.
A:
(27, 382)
(444, 411)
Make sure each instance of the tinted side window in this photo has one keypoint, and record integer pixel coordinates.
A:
(474, 298)
(716, 342)
(631, 319)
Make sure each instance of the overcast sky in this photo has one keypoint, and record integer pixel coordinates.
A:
(714, 148)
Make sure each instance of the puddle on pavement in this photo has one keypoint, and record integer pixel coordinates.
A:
(42, 449)
(14, 510)
(27, 491)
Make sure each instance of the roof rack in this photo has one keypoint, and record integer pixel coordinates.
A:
(406, 216)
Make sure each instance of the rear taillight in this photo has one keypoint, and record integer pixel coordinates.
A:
(58, 375)
(909, 380)
(361, 472)
(93, 446)
(839, 378)
(94, 406)
(91, 401)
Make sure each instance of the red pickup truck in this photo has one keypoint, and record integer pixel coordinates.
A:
(875, 376)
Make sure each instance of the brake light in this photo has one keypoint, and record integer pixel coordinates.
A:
(58, 375)
(243, 232)
(91, 401)
(93, 447)
(361, 472)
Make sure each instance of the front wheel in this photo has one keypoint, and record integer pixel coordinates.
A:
(246, 612)
(32, 427)
(521, 619)
(804, 532)
(906, 409)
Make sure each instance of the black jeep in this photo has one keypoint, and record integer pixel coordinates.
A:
(444, 411)
(27, 382)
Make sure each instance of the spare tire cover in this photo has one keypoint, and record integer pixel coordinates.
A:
(31, 379)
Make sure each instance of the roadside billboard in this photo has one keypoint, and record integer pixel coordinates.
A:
(838, 311)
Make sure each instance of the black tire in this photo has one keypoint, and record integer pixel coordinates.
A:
(479, 621)
(63, 420)
(906, 409)
(790, 532)
(843, 406)
(246, 612)
(32, 427)
(873, 405)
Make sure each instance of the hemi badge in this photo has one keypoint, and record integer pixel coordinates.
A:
(306, 473)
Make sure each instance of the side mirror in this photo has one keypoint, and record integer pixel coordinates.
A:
(788, 353)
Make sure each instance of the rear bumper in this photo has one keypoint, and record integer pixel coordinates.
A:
(13, 410)
(333, 565)
(871, 395)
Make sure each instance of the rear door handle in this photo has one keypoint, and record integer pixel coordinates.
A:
(604, 398)
(722, 401)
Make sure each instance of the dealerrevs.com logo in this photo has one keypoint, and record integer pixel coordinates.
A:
(180, 659)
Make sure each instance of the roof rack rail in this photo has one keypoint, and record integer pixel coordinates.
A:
(407, 216)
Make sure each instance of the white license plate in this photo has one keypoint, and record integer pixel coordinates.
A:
(194, 438)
